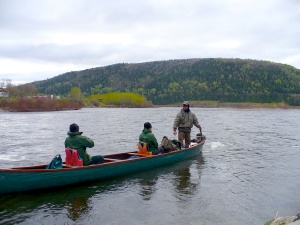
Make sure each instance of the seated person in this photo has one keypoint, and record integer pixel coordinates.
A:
(148, 137)
(80, 143)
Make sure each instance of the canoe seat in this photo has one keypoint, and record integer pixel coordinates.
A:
(111, 160)
(137, 154)
(143, 149)
(68, 166)
(72, 157)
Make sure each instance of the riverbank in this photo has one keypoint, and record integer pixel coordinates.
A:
(239, 105)
(38, 105)
(210, 104)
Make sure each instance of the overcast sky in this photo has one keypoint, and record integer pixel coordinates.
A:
(40, 39)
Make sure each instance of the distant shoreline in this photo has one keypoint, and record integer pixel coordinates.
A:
(237, 105)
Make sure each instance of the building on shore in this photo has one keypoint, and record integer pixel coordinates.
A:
(3, 92)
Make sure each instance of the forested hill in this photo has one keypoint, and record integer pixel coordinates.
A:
(172, 81)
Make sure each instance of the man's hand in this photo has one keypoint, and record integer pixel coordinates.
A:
(174, 132)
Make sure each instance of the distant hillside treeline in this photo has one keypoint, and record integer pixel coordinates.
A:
(167, 82)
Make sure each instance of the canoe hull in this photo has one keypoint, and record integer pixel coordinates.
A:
(21, 179)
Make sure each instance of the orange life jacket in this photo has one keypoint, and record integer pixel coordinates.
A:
(143, 149)
(72, 157)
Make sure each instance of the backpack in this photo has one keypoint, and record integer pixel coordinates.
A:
(56, 163)
(168, 145)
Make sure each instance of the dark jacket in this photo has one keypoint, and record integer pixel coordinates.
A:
(149, 138)
(80, 143)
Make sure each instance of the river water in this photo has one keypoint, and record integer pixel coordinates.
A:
(248, 171)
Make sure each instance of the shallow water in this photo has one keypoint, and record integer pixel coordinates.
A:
(248, 171)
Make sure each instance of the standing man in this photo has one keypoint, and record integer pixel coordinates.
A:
(185, 120)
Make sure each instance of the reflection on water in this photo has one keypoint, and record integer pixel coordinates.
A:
(183, 181)
(147, 188)
(16, 208)
(186, 181)
(185, 178)
(78, 207)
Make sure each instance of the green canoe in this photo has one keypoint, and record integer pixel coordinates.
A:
(29, 178)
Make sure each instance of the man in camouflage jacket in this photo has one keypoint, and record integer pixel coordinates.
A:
(185, 120)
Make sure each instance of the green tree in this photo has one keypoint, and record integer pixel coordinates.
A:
(76, 95)
(97, 89)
